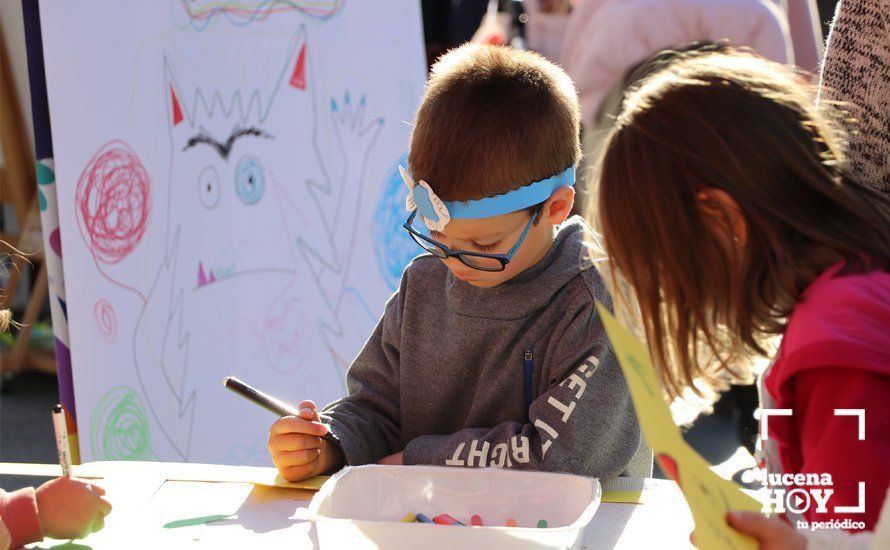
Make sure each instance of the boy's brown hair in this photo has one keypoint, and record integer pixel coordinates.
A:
(746, 127)
(493, 119)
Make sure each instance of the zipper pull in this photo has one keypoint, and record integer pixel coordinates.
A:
(527, 376)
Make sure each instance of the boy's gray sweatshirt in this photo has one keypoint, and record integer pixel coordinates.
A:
(521, 375)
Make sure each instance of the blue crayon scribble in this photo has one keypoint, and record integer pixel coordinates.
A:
(392, 245)
(362, 302)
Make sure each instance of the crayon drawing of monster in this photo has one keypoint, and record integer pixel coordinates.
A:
(259, 231)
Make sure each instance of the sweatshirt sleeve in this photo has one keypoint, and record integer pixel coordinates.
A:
(817, 393)
(583, 420)
(365, 423)
(18, 511)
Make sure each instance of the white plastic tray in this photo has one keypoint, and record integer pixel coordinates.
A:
(360, 507)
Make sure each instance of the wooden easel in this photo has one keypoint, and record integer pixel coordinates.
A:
(18, 187)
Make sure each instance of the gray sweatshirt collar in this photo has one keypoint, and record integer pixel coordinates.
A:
(572, 252)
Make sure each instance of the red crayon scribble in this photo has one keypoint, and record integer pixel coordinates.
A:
(113, 202)
(106, 319)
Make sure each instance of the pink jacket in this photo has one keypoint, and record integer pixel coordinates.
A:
(19, 522)
(606, 38)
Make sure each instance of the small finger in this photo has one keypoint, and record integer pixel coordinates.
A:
(96, 489)
(104, 507)
(293, 424)
(298, 473)
(293, 442)
(98, 524)
(308, 410)
(297, 458)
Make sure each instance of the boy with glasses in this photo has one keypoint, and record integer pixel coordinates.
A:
(491, 353)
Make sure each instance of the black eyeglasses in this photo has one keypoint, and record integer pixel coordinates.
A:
(476, 260)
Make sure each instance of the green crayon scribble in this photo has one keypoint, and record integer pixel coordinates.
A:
(119, 427)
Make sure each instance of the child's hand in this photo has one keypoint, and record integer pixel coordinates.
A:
(297, 448)
(771, 533)
(392, 460)
(71, 508)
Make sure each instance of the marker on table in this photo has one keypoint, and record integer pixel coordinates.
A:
(62, 440)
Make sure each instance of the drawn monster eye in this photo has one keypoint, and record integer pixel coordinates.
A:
(208, 187)
(249, 180)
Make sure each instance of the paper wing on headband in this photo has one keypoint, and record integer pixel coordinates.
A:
(422, 198)
(436, 213)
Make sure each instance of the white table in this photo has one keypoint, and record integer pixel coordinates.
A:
(148, 496)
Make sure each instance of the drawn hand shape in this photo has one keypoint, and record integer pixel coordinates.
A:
(353, 135)
(160, 353)
(329, 260)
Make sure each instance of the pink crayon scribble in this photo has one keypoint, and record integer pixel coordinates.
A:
(281, 334)
(106, 319)
(203, 279)
(113, 202)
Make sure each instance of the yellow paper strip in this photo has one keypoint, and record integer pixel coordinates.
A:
(623, 497)
(708, 495)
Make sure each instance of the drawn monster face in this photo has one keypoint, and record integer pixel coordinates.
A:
(233, 156)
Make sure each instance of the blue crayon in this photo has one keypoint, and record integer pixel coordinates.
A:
(423, 518)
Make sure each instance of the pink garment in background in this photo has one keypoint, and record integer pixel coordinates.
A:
(806, 32)
(606, 38)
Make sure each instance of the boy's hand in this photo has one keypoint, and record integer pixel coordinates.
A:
(297, 448)
(71, 508)
(392, 460)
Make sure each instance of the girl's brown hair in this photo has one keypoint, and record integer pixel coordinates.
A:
(747, 127)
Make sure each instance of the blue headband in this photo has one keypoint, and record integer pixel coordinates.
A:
(437, 213)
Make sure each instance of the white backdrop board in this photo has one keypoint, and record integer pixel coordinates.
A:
(229, 205)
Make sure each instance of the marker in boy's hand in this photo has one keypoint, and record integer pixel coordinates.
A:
(297, 447)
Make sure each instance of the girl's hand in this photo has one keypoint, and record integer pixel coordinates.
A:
(71, 508)
(392, 460)
(771, 533)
